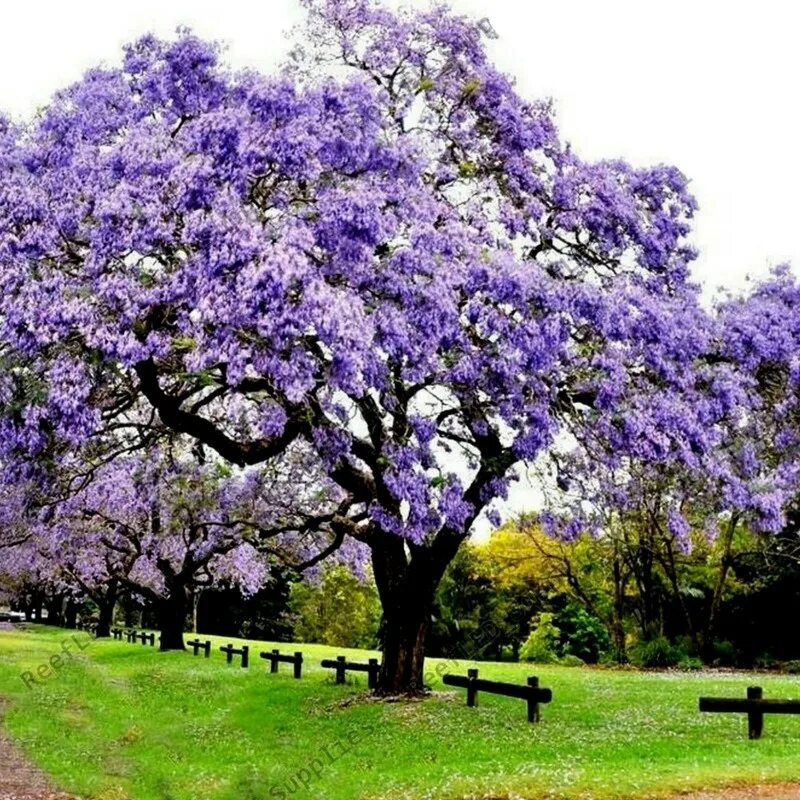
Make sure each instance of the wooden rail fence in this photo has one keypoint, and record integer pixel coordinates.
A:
(231, 651)
(342, 666)
(197, 645)
(531, 692)
(276, 658)
(755, 706)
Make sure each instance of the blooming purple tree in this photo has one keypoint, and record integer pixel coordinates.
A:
(383, 251)
(161, 526)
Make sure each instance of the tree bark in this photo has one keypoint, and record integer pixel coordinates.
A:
(406, 586)
(618, 614)
(105, 606)
(710, 631)
(402, 668)
(54, 607)
(172, 617)
(195, 605)
(70, 614)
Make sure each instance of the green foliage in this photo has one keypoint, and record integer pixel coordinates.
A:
(582, 635)
(542, 644)
(723, 654)
(766, 661)
(570, 660)
(340, 610)
(658, 652)
(478, 612)
(690, 663)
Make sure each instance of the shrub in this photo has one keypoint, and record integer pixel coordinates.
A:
(690, 663)
(582, 634)
(541, 645)
(723, 654)
(570, 660)
(657, 652)
(765, 661)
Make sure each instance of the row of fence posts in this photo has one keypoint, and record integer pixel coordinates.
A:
(755, 706)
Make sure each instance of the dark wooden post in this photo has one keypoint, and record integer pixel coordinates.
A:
(273, 662)
(298, 664)
(472, 692)
(755, 719)
(340, 667)
(228, 650)
(533, 699)
(372, 675)
(245, 656)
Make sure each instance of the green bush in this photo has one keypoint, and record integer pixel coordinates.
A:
(765, 661)
(570, 660)
(723, 654)
(582, 635)
(657, 652)
(690, 663)
(541, 646)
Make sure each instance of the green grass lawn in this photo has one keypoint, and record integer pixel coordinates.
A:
(125, 721)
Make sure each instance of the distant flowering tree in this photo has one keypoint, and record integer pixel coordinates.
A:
(161, 525)
(382, 251)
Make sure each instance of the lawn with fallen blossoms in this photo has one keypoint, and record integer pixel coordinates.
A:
(119, 721)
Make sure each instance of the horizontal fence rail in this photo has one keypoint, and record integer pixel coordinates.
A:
(755, 706)
(530, 692)
(342, 666)
(275, 657)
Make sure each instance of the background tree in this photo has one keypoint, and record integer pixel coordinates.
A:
(338, 609)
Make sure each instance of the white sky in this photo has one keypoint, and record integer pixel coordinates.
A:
(708, 86)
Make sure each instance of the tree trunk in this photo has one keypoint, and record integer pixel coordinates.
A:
(172, 617)
(106, 611)
(195, 605)
(406, 586)
(618, 615)
(70, 614)
(725, 563)
(54, 606)
(402, 668)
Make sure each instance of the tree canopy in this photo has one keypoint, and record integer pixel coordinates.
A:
(383, 251)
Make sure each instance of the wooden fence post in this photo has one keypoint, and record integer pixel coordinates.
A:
(273, 663)
(755, 719)
(533, 702)
(472, 691)
(298, 664)
(340, 669)
(372, 675)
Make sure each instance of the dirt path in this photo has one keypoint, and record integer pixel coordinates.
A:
(777, 791)
(19, 779)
